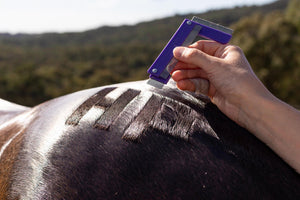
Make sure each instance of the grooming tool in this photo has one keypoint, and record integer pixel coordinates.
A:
(184, 36)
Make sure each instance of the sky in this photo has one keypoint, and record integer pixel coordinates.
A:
(40, 16)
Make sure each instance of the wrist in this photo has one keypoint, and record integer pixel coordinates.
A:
(254, 107)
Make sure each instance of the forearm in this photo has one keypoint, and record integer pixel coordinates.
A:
(239, 94)
(276, 124)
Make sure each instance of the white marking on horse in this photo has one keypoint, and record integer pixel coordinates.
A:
(92, 115)
(131, 110)
(115, 94)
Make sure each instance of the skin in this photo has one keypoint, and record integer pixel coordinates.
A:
(223, 73)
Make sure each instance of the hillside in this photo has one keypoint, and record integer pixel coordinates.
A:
(35, 68)
(147, 32)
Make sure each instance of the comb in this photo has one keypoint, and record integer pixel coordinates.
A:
(184, 36)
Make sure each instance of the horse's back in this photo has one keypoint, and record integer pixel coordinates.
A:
(133, 141)
(9, 110)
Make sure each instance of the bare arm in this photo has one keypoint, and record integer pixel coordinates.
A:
(223, 73)
(275, 123)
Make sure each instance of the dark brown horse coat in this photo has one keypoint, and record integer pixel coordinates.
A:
(135, 141)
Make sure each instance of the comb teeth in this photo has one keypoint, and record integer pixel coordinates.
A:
(212, 25)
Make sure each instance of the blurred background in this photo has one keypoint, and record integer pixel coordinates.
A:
(51, 48)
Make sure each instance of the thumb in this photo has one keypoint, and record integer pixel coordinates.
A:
(195, 57)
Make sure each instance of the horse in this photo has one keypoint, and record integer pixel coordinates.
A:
(135, 141)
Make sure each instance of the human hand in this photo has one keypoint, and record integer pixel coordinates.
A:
(223, 73)
(220, 71)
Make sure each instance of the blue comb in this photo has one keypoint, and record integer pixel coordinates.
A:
(184, 36)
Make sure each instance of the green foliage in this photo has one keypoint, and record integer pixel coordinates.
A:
(293, 14)
(35, 68)
(30, 76)
(272, 45)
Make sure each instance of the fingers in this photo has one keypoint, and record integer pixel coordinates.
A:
(186, 84)
(208, 46)
(193, 56)
(181, 65)
(198, 66)
(197, 85)
(188, 74)
(201, 85)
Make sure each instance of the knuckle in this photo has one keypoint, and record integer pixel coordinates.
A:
(191, 53)
(199, 43)
(236, 48)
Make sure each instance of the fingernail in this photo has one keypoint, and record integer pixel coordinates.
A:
(178, 51)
